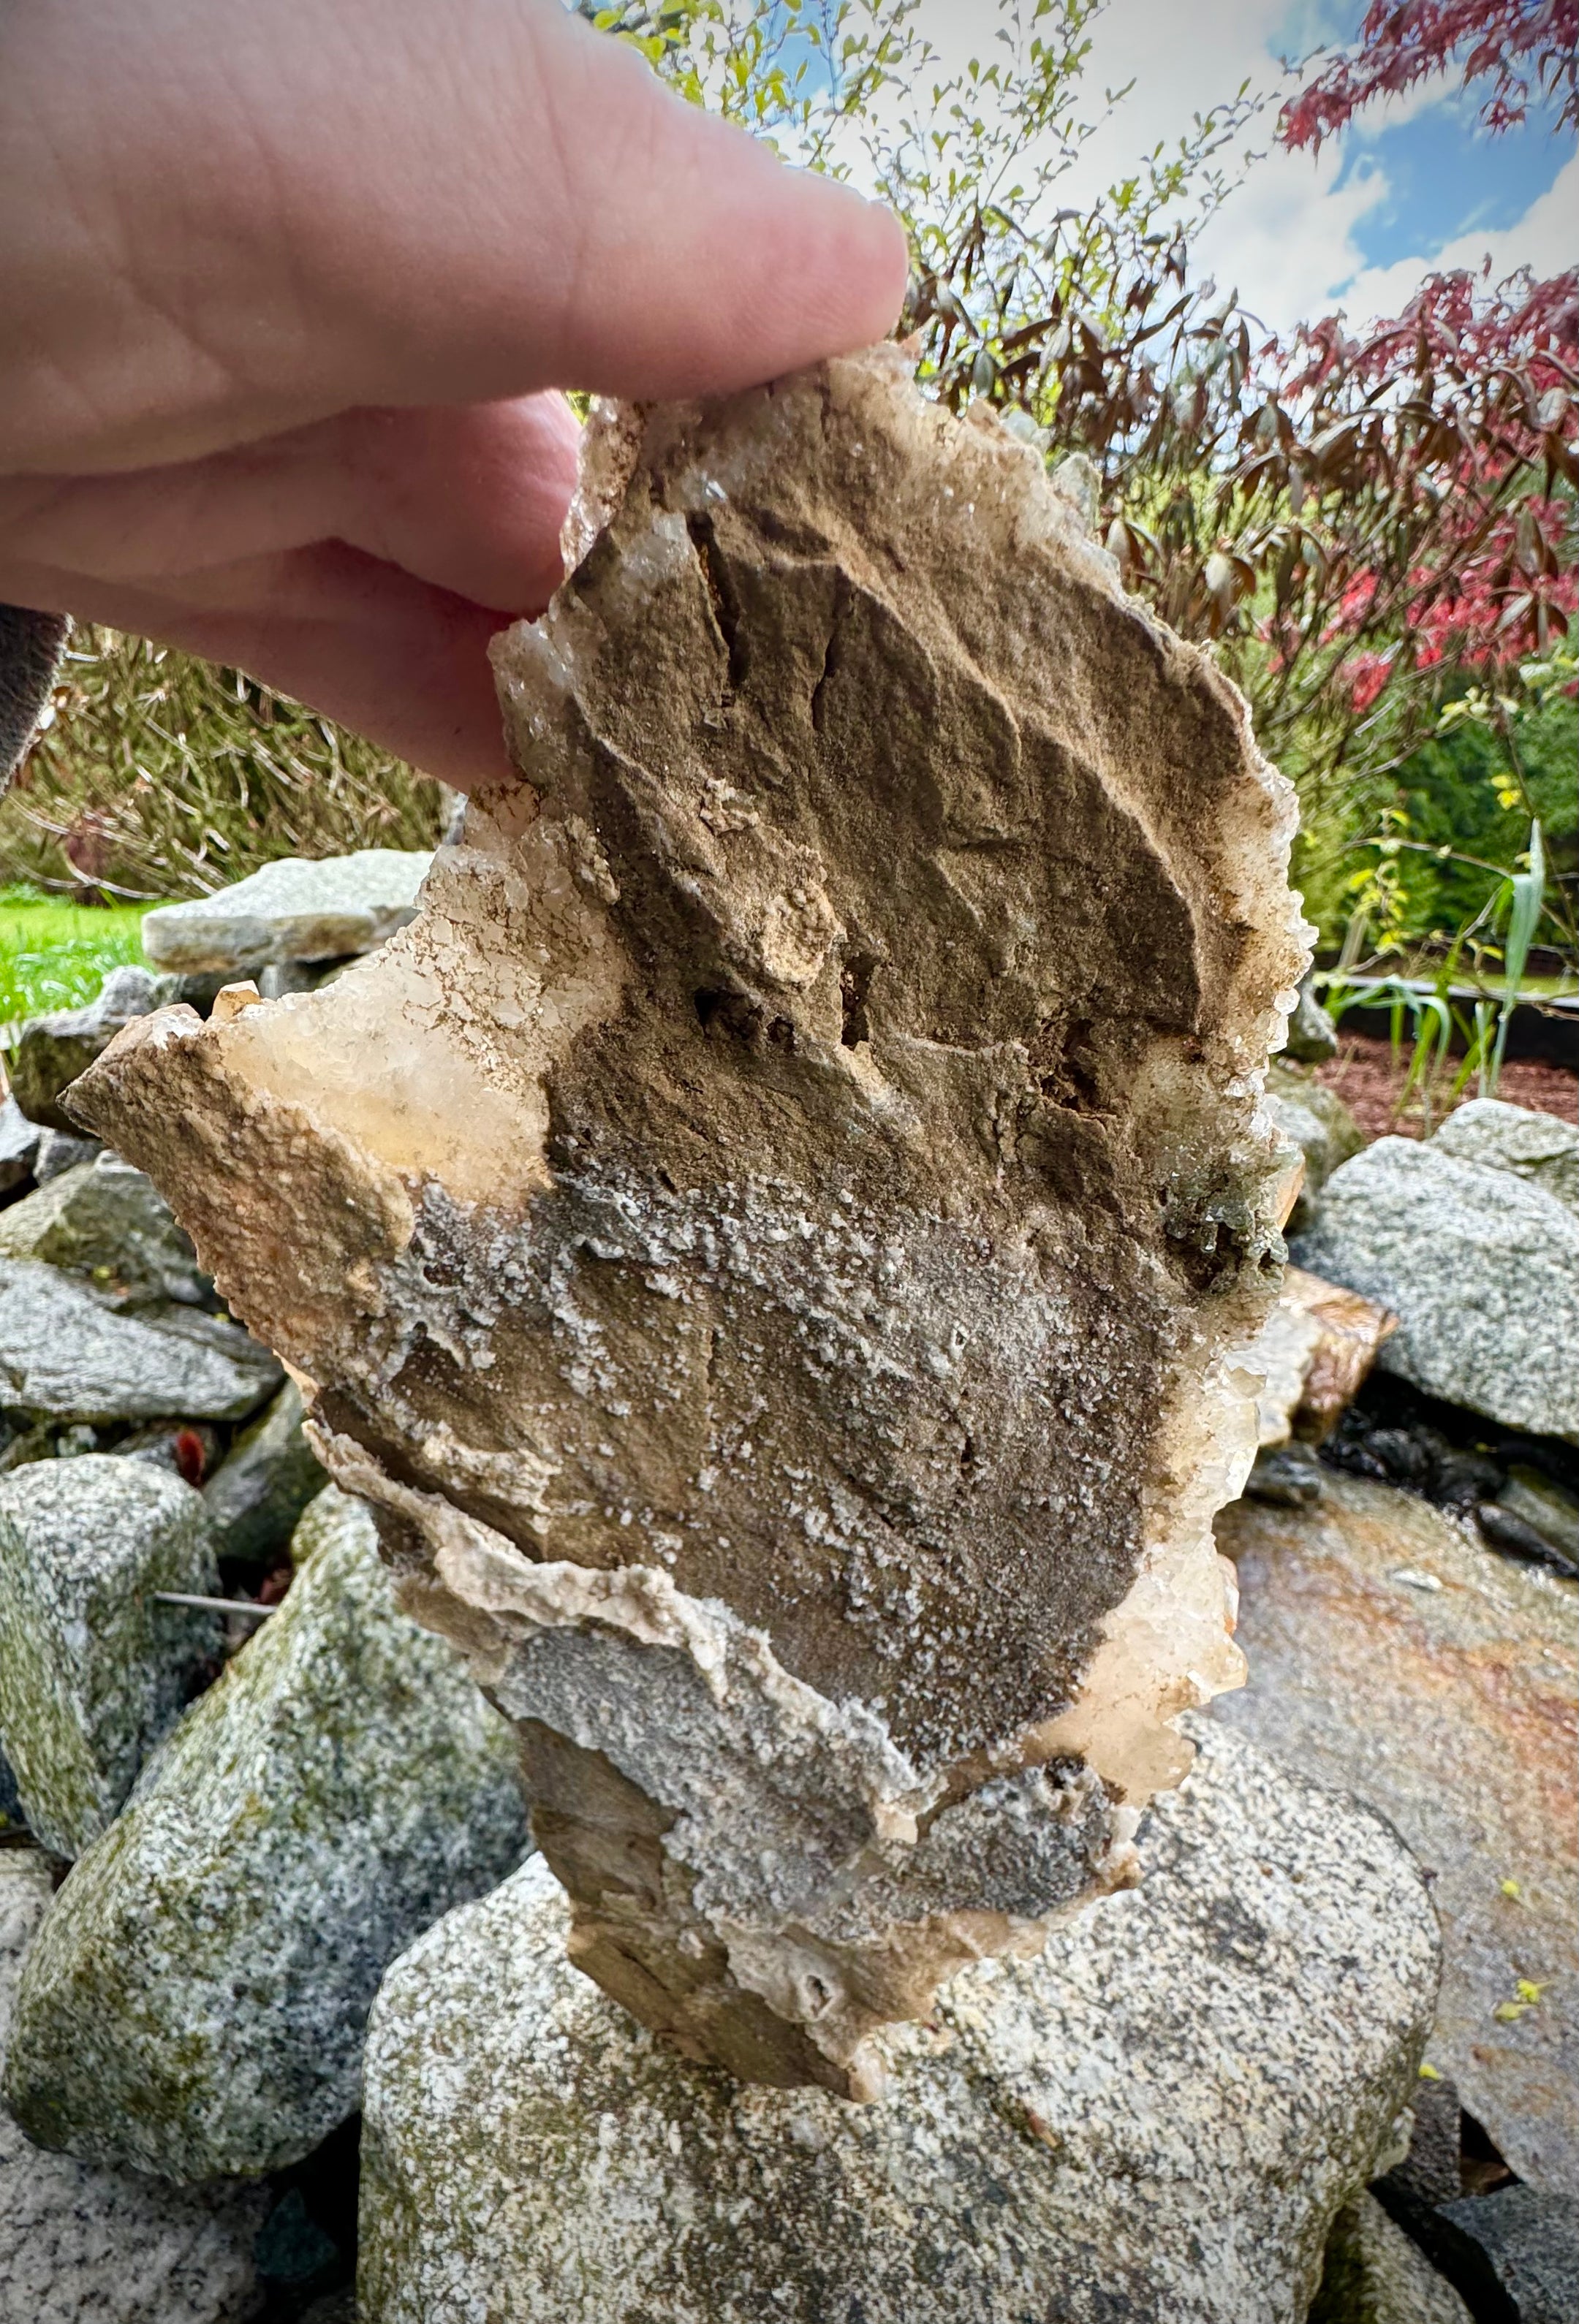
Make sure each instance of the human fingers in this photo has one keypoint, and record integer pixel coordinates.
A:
(470, 499)
(384, 653)
(217, 224)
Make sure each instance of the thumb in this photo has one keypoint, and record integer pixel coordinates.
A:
(573, 223)
(218, 223)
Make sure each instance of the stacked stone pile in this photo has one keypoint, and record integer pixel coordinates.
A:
(779, 1255)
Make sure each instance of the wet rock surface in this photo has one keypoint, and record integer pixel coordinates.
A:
(80, 2244)
(195, 2001)
(802, 1165)
(292, 909)
(1160, 2117)
(1481, 1264)
(1393, 1655)
(94, 1670)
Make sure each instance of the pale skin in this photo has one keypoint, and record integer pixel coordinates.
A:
(289, 289)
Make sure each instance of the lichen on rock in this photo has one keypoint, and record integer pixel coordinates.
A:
(770, 1235)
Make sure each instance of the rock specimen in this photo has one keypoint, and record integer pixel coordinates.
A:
(1480, 1262)
(94, 1671)
(107, 1223)
(82, 2245)
(50, 1051)
(769, 1233)
(65, 1356)
(195, 2003)
(1392, 1656)
(292, 909)
(1156, 2119)
(264, 1482)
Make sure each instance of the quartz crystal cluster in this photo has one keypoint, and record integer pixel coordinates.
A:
(770, 1237)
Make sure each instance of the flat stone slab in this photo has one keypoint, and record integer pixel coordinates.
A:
(1157, 2118)
(1392, 1655)
(295, 908)
(84, 2246)
(65, 1356)
(94, 1671)
(1481, 1265)
(195, 2002)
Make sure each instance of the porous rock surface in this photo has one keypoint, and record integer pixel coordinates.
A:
(769, 1234)
(94, 1671)
(1480, 1261)
(1156, 2119)
(294, 908)
(194, 2004)
(80, 2244)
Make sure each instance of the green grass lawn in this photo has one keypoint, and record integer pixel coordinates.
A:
(55, 955)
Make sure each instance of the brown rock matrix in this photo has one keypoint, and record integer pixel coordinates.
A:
(768, 1238)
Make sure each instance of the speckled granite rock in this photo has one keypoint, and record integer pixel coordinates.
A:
(1479, 1264)
(295, 909)
(264, 1482)
(195, 2003)
(1522, 2256)
(109, 1225)
(769, 1233)
(93, 1673)
(64, 1356)
(1535, 1147)
(1375, 2276)
(1391, 1654)
(84, 2246)
(1156, 2119)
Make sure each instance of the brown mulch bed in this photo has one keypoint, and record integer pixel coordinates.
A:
(1370, 1080)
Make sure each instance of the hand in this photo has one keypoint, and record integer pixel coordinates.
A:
(288, 288)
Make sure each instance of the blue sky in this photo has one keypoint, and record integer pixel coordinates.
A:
(1417, 186)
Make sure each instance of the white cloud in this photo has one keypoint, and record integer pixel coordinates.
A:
(1286, 238)
(1545, 239)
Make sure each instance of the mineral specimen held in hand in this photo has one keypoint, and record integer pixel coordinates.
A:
(768, 1237)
